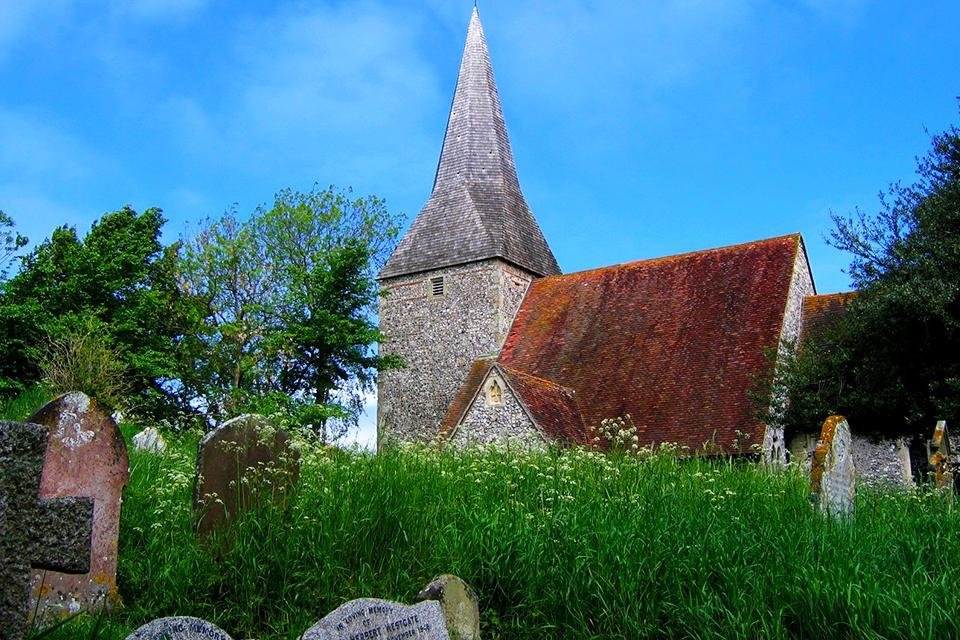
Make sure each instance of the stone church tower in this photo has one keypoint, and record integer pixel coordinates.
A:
(456, 279)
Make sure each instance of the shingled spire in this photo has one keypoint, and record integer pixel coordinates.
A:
(476, 210)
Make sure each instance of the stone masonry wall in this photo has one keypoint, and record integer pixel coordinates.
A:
(504, 424)
(801, 286)
(438, 338)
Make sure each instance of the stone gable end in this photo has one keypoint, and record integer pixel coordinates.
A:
(496, 415)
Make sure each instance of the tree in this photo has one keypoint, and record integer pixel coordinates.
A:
(289, 299)
(10, 242)
(892, 363)
(119, 276)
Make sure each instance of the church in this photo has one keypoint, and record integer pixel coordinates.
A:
(502, 347)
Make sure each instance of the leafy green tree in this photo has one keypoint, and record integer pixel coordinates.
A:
(10, 242)
(892, 363)
(119, 274)
(289, 297)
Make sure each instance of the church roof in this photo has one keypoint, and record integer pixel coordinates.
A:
(552, 407)
(821, 312)
(675, 342)
(476, 210)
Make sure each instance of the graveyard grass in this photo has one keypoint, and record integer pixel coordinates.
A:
(557, 545)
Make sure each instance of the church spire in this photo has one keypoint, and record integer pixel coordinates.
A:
(476, 210)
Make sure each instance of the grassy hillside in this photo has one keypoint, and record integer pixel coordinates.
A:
(557, 545)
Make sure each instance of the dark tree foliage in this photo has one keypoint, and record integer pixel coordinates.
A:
(120, 276)
(892, 364)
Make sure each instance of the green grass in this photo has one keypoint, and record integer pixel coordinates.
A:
(25, 404)
(557, 545)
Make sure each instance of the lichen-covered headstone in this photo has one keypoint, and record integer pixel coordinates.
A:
(242, 463)
(179, 628)
(832, 474)
(86, 456)
(149, 440)
(372, 619)
(941, 456)
(50, 533)
(459, 604)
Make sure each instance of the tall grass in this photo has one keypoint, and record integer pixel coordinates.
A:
(557, 545)
(25, 404)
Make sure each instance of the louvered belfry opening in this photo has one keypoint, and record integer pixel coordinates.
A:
(437, 286)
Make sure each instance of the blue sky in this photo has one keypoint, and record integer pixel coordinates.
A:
(640, 129)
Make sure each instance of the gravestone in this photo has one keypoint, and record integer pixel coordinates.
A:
(832, 473)
(459, 603)
(179, 628)
(86, 456)
(51, 533)
(242, 463)
(373, 619)
(149, 440)
(941, 456)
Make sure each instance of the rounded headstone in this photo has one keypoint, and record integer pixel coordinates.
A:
(459, 603)
(373, 619)
(240, 464)
(179, 628)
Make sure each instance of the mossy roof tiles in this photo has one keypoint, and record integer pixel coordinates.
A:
(820, 312)
(675, 342)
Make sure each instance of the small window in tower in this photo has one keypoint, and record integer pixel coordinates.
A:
(436, 286)
(494, 393)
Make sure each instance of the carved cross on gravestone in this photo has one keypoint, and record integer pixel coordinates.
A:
(47, 534)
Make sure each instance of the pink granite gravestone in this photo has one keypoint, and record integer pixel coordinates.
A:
(86, 456)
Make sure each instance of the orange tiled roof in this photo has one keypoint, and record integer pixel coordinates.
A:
(819, 312)
(553, 407)
(675, 342)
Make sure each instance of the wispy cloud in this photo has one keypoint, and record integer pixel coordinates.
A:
(158, 9)
(34, 149)
(843, 12)
(42, 166)
(22, 18)
(326, 90)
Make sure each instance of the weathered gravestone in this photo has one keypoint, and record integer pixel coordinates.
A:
(941, 456)
(459, 603)
(149, 440)
(86, 456)
(832, 474)
(242, 463)
(179, 628)
(45, 533)
(370, 618)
